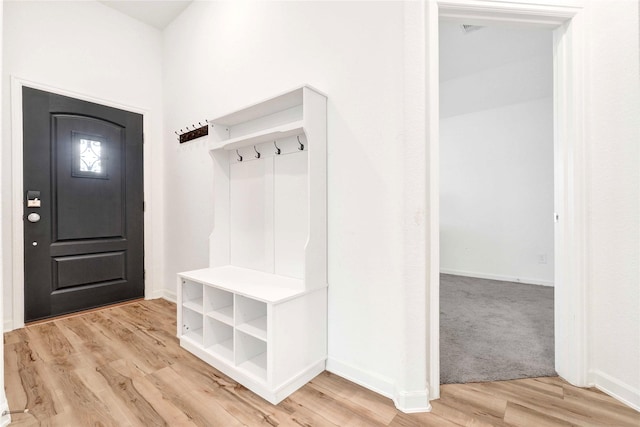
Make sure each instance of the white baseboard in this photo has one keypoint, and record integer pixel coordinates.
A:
(411, 402)
(615, 388)
(369, 380)
(405, 401)
(502, 278)
(169, 295)
(8, 325)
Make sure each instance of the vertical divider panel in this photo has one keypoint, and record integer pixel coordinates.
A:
(291, 217)
(269, 214)
(248, 229)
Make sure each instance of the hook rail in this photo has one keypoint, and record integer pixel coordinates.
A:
(196, 132)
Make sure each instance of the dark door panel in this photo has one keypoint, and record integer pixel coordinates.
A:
(87, 184)
(84, 161)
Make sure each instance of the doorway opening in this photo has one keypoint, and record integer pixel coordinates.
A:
(496, 203)
(568, 29)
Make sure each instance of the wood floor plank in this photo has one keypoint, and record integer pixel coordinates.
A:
(86, 339)
(421, 420)
(39, 394)
(123, 366)
(73, 393)
(477, 411)
(247, 414)
(47, 340)
(357, 398)
(553, 406)
(200, 404)
(518, 415)
(328, 407)
(124, 388)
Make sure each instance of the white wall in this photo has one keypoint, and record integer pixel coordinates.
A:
(353, 52)
(496, 154)
(95, 51)
(614, 197)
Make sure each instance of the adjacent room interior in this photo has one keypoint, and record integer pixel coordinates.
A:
(496, 203)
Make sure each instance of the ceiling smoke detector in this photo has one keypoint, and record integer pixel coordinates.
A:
(470, 28)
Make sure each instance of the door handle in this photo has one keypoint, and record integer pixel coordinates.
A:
(33, 217)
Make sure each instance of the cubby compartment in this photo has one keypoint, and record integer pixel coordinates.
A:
(218, 339)
(192, 295)
(251, 355)
(251, 317)
(191, 325)
(218, 304)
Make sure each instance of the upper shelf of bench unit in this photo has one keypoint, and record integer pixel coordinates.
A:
(265, 135)
(269, 106)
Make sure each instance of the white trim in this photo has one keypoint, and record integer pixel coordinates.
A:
(151, 227)
(569, 83)
(500, 277)
(411, 402)
(433, 202)
(367, 379)
(615, 388)
(480, 12)
(168, 295)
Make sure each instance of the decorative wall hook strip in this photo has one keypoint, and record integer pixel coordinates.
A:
(257, 153)
(278, 150)
(196, 132)
(301, 147)
(239, 156)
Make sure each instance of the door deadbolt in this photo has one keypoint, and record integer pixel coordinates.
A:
(33, 217)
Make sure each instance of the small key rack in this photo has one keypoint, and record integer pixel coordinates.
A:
(187, 135)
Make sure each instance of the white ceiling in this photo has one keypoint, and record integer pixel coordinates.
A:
(153, 12)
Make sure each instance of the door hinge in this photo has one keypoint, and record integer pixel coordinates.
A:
(556, 217)
(144, 206)
(144, 274)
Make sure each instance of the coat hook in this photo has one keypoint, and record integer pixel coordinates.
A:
(278, 151)
(257, 153)
(176, 132)
(301, 147)
(239, 156)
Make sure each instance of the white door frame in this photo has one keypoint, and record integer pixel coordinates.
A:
(17, 202)
(569, 168)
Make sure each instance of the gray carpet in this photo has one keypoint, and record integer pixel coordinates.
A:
(492, 330)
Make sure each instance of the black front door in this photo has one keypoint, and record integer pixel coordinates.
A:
(83, 198)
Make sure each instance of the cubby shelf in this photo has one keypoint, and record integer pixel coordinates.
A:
(224, 314)
(258, 313)
(195, 305)
(256, 328)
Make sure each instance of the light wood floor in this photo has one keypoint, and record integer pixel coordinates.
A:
(122, 366)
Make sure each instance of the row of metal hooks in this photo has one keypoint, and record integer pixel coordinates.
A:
(277, 152)
(187, 134)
